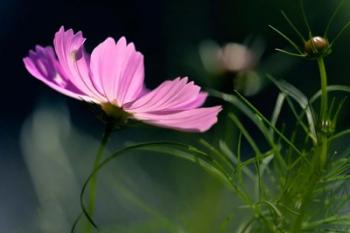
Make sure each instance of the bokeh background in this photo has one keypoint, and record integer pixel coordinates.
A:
(48, 141)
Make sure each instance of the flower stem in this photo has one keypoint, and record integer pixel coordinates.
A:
(324, 95)
(320, 152)
(98, 158)
(323, 140)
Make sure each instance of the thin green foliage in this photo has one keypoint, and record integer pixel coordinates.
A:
(331, 20)
(256, 150)
(222, 160)
(294, 186)
(253, 114)
(290, 41)
(330, 88)
(291, 24)
(277, 109)
(337, 112)
(290, 53)
(342, 30)
(340, 134)
(306, 21)
(196, 156)
(299, 121)
(301, 99)
(264, 119)
(239, 165)
(224, 225)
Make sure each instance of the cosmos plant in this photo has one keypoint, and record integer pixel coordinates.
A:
(296, 183)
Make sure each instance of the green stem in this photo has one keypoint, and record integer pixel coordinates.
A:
(92, 192)
(323, 142)
(320, 153)
(323, 152)
(324, 94)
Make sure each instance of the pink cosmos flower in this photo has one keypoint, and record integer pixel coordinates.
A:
(113, 75)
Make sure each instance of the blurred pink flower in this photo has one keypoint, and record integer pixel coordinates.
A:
(114, 75)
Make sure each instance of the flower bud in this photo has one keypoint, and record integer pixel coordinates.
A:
(327, 127)
(317, 46)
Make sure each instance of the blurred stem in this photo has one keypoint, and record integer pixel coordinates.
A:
(324, 95)
(323, 152)
(320, 153)
(320, 159)
(92, 192)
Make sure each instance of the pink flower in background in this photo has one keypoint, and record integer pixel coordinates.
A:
(113, 75)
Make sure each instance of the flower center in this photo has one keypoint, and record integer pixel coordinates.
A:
(115, 115)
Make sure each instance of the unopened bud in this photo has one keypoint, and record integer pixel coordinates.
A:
(317, 46)
(327, 127)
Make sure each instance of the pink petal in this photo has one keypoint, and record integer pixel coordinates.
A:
(75, 61)
(194, 120)
(174, 104)
(197, 102)
(118, 70)
(43, 65)
(172, 95)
